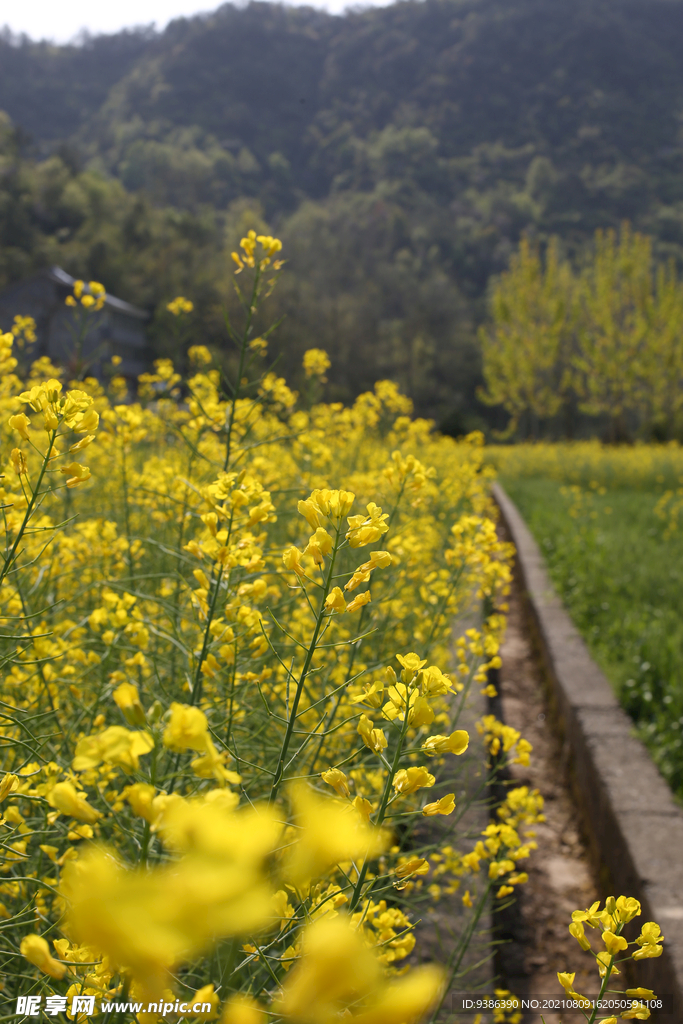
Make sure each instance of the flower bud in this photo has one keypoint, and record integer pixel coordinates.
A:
(9, 783)
(127, 699)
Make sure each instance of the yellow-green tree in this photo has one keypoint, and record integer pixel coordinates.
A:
(662, 359)
(526, 348)
(616, 306)
(607, 339)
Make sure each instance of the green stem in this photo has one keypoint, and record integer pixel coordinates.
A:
(197, 686)
(605, 982)
(179, 566)
(29, 509)
(357, 892)
(349, 673)
(243, 351)
(279, 772)
(147, 834)
(126, 510)
(227, 968)
(464, 945)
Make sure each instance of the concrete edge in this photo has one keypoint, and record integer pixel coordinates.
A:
(633, 825)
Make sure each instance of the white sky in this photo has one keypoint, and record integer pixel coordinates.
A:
(61, 20)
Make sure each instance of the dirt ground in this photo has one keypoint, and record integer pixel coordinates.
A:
(560, 876)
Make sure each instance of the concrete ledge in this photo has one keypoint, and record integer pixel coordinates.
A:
(633, 824)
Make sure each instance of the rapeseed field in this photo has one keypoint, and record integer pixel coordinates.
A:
(232, 691)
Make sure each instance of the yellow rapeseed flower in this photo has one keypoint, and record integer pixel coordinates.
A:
(328, 832)
(337, 779)
(316, 363)
(66, 799)
(180, 305)
(445, 805)
(37, 951)
(457, 743)
(409, 780)
(127, 699)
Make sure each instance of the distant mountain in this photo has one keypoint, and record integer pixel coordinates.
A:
(51, 91)
(426, 136)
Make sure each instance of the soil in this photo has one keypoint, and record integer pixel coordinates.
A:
(560, 875)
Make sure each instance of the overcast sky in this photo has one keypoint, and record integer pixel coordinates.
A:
(61, 21)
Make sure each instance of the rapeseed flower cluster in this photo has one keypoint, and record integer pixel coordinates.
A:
(90, 296)
(610, 923)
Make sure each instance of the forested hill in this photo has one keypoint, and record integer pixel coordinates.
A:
(590, 84)
(399, 151)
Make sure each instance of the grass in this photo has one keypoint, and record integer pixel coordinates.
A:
(620, 575)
